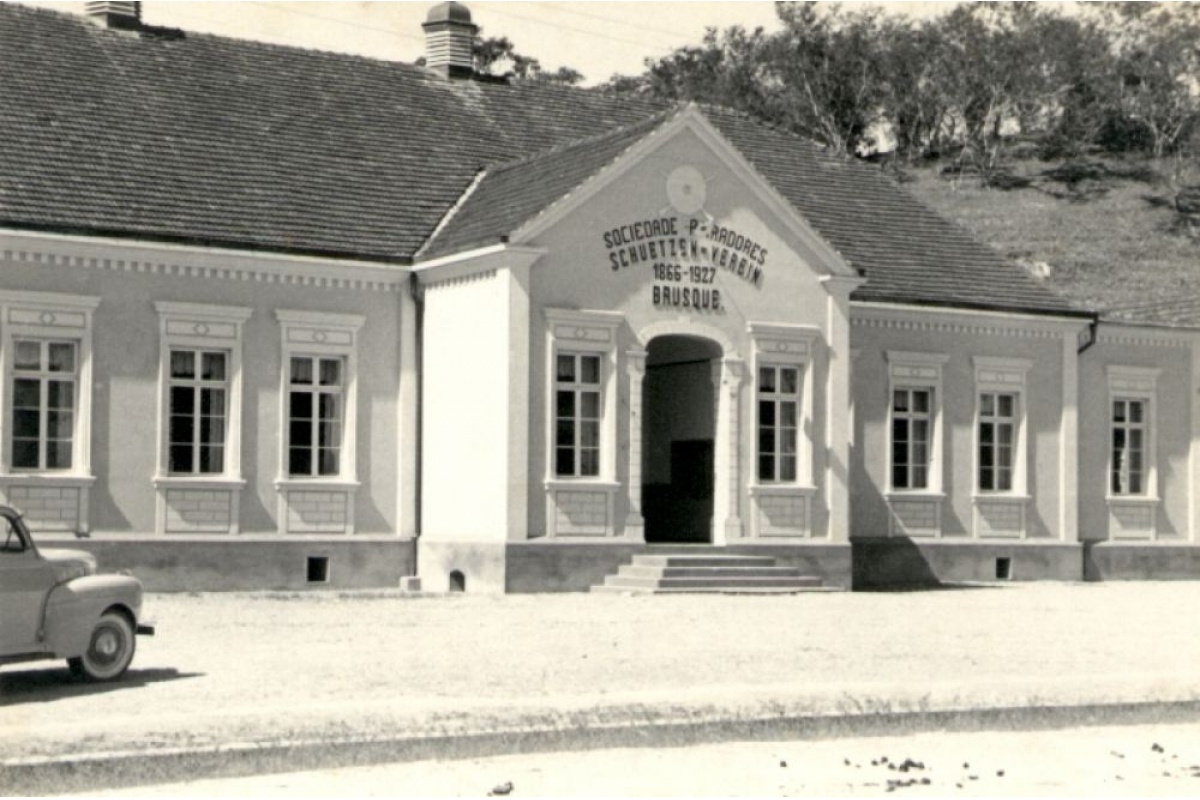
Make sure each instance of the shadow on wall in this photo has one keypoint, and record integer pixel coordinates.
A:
(892, 564)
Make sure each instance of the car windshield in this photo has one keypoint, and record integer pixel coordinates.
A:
(14, 541)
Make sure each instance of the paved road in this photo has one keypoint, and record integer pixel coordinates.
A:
(1158, 760)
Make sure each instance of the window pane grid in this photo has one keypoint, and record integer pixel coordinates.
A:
(997, 440)
(43, 404)
(778, 416)
(197, 397)
(911, 437)
(315, 416)
(577, 415)
(1129, 431)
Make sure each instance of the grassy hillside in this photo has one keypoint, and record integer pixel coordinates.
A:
(1105, 232)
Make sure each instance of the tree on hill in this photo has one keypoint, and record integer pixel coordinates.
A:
(1122, 75)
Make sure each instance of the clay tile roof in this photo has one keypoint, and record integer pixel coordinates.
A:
(512, 194)
(175, 136)
(182, 136)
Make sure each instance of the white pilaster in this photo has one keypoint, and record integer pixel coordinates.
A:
(727, 486)
(837, 405)
(635, 370)
(516, 278)
(407, 438)
(1068, 445)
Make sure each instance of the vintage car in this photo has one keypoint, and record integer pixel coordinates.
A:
(53, 605)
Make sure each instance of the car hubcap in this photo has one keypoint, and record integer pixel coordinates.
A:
(106, 646)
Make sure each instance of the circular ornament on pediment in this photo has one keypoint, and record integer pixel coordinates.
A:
(686, 189)
(319, 337)
(201, 329)
(47, 317)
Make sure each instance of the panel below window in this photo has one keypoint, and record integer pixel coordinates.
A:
(317, 510)
(917, 516)
(999, 518)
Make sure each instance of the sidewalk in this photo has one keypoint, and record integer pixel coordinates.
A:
(254, 682)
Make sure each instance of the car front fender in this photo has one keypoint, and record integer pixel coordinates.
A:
(74, 607)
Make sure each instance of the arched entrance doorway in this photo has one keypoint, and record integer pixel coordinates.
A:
(678, 433)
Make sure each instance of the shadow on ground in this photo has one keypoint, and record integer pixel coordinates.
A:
(44, 685)
(929, 587)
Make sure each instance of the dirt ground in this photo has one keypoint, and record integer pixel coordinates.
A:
(1145, 760)
(267, 667)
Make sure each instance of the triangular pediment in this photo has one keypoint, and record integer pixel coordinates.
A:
(517, 203)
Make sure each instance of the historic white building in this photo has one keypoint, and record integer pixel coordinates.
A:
(273, 318)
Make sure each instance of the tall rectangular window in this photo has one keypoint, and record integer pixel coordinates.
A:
(778, 415)
(577, 415)
(912, 424)
(1129, 431)
(997, 440)
(198, 407)
(44, 378)
(316, 405)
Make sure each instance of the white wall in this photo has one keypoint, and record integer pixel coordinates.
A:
(465, 409)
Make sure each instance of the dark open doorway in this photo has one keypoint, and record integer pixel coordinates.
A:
(679, 427)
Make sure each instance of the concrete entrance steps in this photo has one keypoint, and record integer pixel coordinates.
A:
(675, 572)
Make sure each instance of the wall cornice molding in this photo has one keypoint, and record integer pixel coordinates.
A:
(1145, 337)
(981, 327)
(198, 262)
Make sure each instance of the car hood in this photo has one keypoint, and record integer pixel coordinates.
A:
(70, 564)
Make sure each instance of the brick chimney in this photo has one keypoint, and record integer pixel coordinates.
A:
(450, 40)
(125, 15)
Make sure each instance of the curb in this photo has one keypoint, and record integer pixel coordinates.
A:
(60, 775)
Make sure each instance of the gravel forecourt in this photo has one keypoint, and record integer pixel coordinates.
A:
(268, 667)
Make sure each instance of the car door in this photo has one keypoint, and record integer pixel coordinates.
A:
(25, 579)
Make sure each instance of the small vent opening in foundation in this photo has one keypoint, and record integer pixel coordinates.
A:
(318, 569)
(1003, 569)
(458, 581)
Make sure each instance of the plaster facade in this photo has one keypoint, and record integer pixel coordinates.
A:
(679, 329)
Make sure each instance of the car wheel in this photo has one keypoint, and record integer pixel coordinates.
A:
(110, 649)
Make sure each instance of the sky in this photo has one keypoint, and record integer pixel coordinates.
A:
(598, 39)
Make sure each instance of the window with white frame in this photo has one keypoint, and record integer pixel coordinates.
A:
(316, 412)
(577, 414)
(912, 433)
(997, 440)
(44, 390)
(1132, 392)
(1000, 425)
(914, 417)
(779, 396)
(198, 411)
(200, 368)
(783, 405)
(45, 355)
(1130, 427)
(581, 398)
(319, 390)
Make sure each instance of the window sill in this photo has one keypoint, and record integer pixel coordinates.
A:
(197, 482)
(581, 484)
(1131, 500)
(916, 494)
(784, 489)
(47, 479)
(1000, 497)
(317, 484)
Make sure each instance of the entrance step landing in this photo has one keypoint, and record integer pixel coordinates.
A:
(672, 573)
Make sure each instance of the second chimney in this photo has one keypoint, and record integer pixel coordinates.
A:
(450, 40)
(115, 14)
